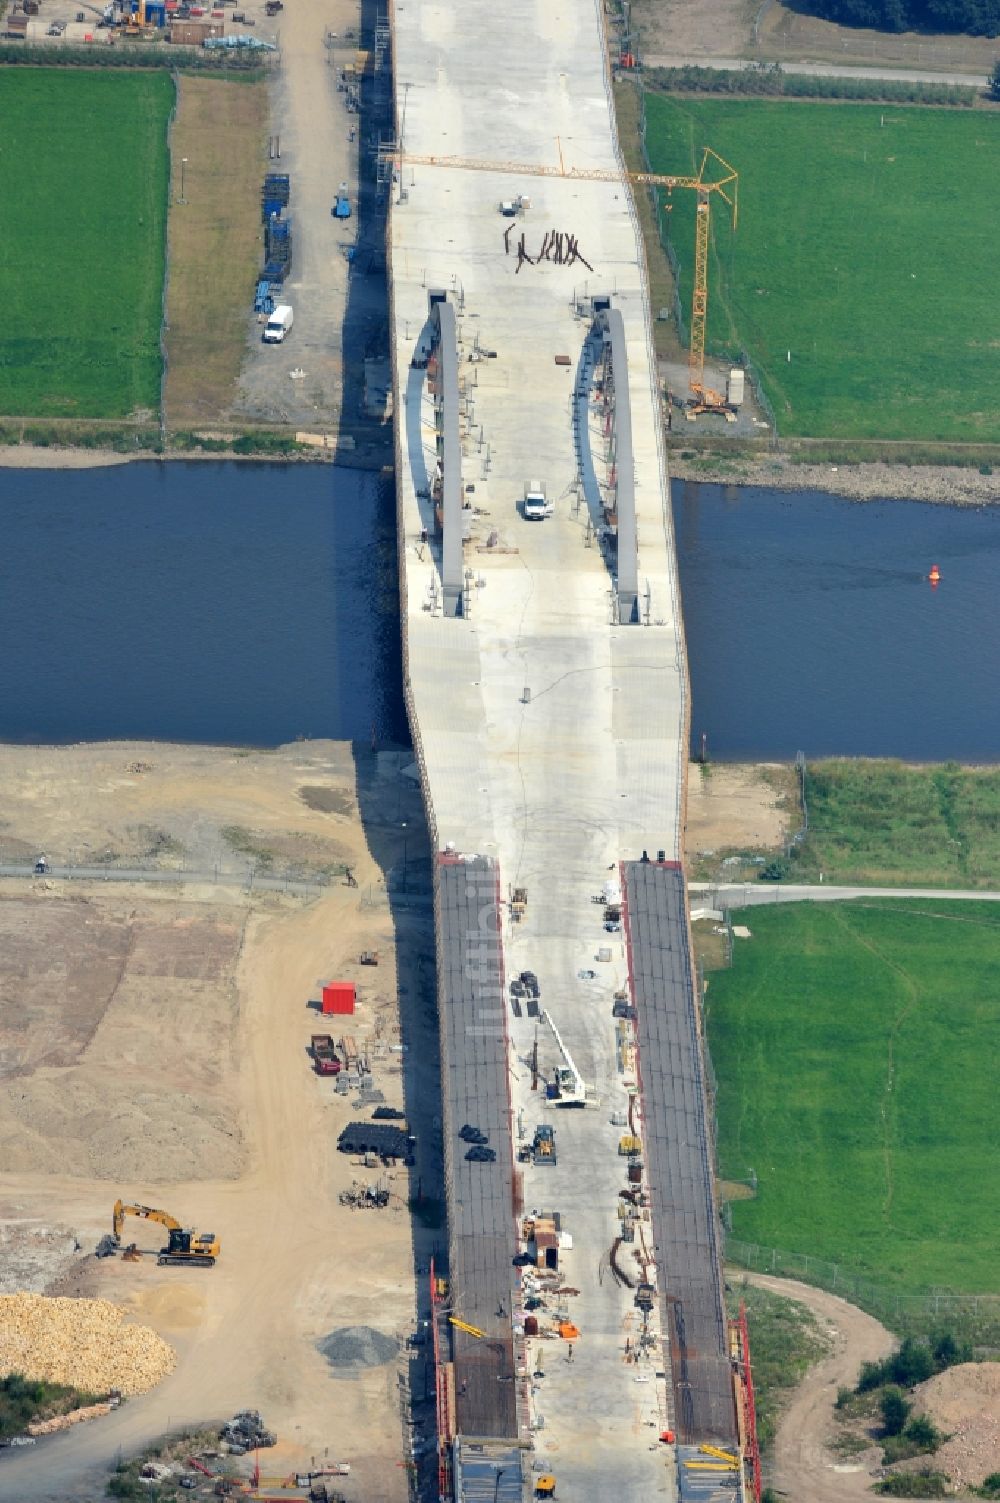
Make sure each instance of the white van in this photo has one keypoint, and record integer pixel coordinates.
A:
(278, 324)
(536, 505)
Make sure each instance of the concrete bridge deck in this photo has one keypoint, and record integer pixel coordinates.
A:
(551, 739)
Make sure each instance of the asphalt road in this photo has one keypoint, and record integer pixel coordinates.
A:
(751, 894)
(821, 70)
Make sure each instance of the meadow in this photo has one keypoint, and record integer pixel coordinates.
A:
(861, 278)
(883, 823)
(855, 1046)
(84, 183)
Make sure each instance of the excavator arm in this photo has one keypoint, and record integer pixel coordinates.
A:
(146, 1213)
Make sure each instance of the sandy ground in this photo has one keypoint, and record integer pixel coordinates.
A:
(739, 805)
(803, 1466)
(690, 28)
(189, 1015)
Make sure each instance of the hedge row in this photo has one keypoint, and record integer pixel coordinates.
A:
(770, 80)
(247, 65)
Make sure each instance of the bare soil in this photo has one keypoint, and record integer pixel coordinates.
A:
(156, 1046)
(739, 806)
(690, 28)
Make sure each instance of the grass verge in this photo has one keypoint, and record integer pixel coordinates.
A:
(854, 1045)
(24, 1400)
(785, 1341)
(83, 181)
(214, 243)
(840, 282)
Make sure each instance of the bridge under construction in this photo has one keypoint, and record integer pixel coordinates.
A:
(580, 1330)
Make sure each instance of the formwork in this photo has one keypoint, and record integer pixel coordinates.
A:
(675, 1140)
(475, 1093)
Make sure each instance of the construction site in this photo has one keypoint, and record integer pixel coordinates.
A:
(179, 924)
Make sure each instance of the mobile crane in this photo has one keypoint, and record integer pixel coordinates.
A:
(183, 1246)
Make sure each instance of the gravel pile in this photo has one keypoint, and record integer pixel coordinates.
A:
(83, 1342)
(351, 1348)
(964, 1402)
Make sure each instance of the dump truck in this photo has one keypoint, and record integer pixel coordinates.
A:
(324, 1053)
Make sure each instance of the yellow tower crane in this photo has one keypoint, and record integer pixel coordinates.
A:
(725, 183)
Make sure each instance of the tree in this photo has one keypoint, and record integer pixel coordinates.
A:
(895, 1411)
(912, 1364)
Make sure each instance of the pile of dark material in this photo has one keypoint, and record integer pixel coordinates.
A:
(355, 1347)
(388, 1114)
(478, 1152)
(377, 1137)
(246, 1432)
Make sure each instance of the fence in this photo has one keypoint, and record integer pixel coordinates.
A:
(974, 1314)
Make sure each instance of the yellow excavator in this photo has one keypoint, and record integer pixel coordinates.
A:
(183, 1247)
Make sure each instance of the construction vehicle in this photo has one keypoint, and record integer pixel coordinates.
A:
(629, 1146)
(324, 1053)
(183, 1246)
(567, 1087)
(545, 1487)
(543, 1147)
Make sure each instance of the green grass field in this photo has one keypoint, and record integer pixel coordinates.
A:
(855, 1047)
(867, 250)
(83, 182)
(885, 824)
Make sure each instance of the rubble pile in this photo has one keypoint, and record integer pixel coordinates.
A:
(85, 1343)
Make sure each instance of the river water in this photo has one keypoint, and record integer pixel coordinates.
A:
(811, 625)
(234, 603)
(250, 604)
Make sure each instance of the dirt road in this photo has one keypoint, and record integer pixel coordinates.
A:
(804, 1467)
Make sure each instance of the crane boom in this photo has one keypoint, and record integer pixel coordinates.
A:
(572, 1090)
(726, 184)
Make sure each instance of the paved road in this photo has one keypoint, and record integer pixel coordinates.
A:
(821, 70)
(250, 881)
(750, 894)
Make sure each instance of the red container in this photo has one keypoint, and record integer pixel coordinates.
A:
(339, 997)
(531, 1325)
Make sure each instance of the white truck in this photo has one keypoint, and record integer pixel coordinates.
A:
(536, 505)
(278, 324)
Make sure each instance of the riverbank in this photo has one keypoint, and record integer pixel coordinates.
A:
(28, 457)
(946, 485)
(943, 484)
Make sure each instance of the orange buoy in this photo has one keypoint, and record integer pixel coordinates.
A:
(935, 574)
